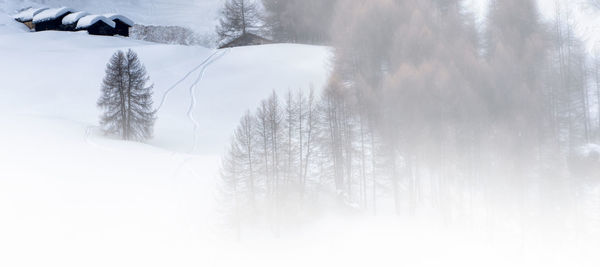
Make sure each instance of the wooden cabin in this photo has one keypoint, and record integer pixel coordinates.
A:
(51, 19)
(26, 16)
(66, 19)
(69, 22)
(96, 25)
(247, 39)
(122, 23)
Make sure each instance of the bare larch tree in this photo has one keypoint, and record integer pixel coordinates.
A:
(237, 18)
(126, 98)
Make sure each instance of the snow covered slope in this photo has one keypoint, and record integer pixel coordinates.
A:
(70, 196)
(8, 25)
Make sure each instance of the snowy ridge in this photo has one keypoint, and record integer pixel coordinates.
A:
(89, 20)
(28, 14)
(121, 18)
(50, 14)
(74, 17)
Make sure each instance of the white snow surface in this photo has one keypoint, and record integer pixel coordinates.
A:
(50, 14)
(70, 196)
(74, 17)
(28, 14)
(9, 25)
(120, 17)
(89, 20)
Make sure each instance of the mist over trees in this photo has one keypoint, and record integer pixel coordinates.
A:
(299, 21)
(171, 35)
(237, 18)
(126, 98)
(432, 115)
(293, 21)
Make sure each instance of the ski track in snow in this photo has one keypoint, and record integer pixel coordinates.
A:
(209, 60)
(166, 94)
(192, 90)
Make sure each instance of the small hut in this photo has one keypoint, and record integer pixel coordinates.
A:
(26, 16)
(51, 19)
(247, 39)
(69, 22)
(122, 23)
(96, 25)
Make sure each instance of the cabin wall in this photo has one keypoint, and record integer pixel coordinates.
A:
(122, 28)
(29, 24)
(68, 27)
(100, 28)
(49, 25)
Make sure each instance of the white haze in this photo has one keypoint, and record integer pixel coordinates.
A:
(585, 17)
(70, 196)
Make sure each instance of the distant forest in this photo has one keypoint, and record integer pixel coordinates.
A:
(426, 113)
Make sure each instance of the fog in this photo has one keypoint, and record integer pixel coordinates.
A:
(394, 133)
(484, 122)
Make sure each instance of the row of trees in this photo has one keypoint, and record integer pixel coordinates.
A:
(301, 21)
(428, 111)
(295, 151)
(170, 35)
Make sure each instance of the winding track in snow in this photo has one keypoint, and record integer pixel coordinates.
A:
(166, 94)
(192, 90)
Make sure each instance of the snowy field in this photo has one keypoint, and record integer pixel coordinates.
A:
(70, 196)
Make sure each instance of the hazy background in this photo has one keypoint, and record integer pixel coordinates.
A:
(201, 15)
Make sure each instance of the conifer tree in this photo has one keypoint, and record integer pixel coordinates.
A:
(126, 98)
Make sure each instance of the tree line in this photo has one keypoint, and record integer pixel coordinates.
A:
(297, 21)
(430, 113)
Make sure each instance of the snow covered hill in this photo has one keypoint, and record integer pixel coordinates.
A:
(70, 196)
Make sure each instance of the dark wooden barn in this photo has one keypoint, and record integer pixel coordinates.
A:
(50, 19)
(122, 23)
(69, 22)
(26, 16)
(247, 39)
(97, 25)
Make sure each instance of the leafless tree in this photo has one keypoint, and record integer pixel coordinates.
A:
(237, 18)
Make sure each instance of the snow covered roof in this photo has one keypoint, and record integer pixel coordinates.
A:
(28, 14)
(90, 20)
(50, 14)
(121, 18)
(74, 17)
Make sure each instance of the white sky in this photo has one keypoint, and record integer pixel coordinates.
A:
(587, 20)
(546, 6)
